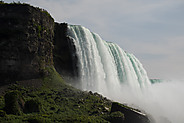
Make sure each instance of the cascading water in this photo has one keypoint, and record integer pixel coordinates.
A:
(105, 66)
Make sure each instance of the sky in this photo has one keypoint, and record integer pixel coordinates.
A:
(153, 30)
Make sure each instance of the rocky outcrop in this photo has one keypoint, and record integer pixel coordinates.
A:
(65, 59)
(131, 115)
(26, 36)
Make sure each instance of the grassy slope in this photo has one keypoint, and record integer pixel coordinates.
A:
(59, 102)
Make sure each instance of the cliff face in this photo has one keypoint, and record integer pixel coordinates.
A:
(65, 59)
(26, 37)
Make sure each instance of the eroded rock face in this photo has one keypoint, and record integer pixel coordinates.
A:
(26, 37)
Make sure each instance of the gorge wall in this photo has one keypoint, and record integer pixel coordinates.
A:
(26, 36)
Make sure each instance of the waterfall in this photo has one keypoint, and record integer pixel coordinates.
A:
(107, 69)
(104, 66)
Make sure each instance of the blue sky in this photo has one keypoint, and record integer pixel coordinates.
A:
(153, 30)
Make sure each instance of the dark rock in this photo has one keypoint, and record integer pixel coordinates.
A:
(13, 103)
(32, 105)
(90, 92)
(26, 36)
(65, 59)
(131, 115)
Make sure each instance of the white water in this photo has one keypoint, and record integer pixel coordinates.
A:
(105, 65)
(107, 69)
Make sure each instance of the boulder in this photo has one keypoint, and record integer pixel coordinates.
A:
(131, 115)
(13, 103)
(32, 105)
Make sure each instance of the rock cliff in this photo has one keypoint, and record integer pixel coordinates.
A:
(26, 36)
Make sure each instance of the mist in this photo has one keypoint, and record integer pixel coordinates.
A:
(161, 101)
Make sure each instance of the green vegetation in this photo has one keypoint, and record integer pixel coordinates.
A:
(54, 101)
(115, 117)
(39, 30)
(48, 14)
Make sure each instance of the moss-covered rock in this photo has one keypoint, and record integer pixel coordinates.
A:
(115, 117)
(131, 115)
(13, 103)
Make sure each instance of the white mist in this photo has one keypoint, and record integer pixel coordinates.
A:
(163, 101)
